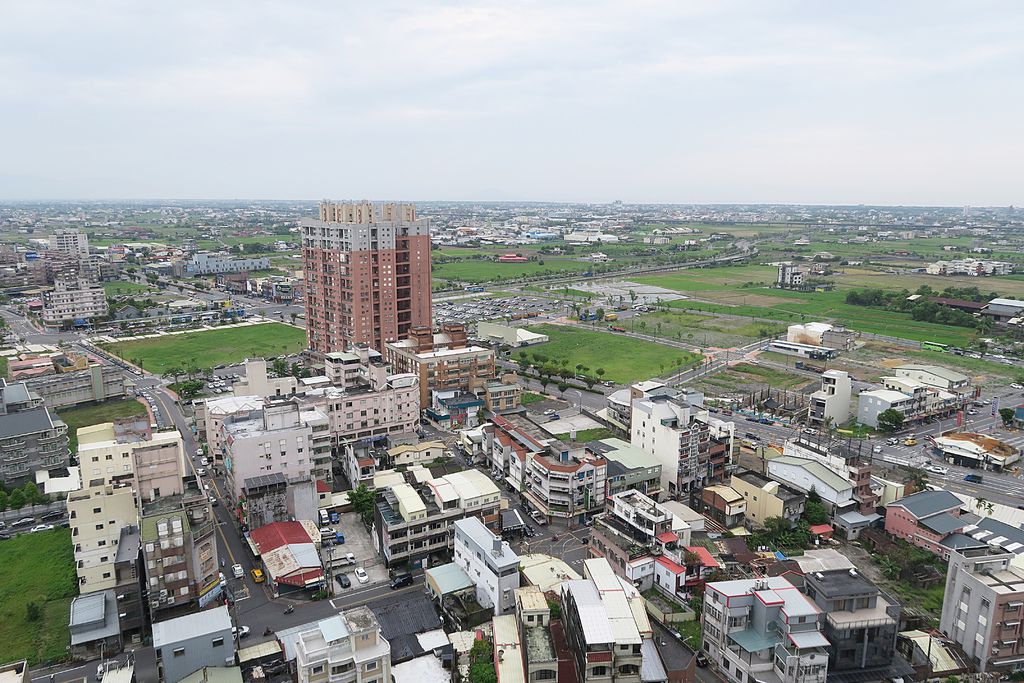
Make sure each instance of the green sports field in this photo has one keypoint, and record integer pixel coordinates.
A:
(207, 348)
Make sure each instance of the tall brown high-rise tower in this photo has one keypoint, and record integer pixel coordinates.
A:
(367, 269)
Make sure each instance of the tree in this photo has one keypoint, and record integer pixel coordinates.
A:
(4, 501)
(362, 499)
(562, 386)
(918, 479)
(174, 373)
(600, 314)
(776, 525)
(890, 420)
(1007, 415)
(294, 316)
(600, 372)
(815, 512)
(32, 495)
(33, 612)
(17, 499)
(279, 367)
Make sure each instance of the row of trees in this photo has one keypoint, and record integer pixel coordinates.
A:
(925, 311)
(16, 499)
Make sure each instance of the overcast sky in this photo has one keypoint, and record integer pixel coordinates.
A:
(645, 101)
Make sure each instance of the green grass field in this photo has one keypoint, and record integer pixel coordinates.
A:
(124, 288)
(529, 397)
(85, 416)
(207, 348)
(585, 435)
(625, 360)
(37, 568)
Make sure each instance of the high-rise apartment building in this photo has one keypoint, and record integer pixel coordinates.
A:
(367, 272)
(73, 300)
(70, 241)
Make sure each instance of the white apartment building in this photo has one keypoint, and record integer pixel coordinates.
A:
(935, 376)
(215, 411)
(205, 263)
(70, 241)
(566, 482)
(831, 403)
(791, 275)
(282, 437)
(489, 562)
(969, 266)
(763, 630)
(871, 404)
(692, 447)
(258, 383)
(107, 452)
(97, 516)
(346, 648)
(73, 299)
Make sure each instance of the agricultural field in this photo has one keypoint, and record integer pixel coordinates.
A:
(37, 584)
(624, 359)
(86, 416)
(208, 348)
(479, 270)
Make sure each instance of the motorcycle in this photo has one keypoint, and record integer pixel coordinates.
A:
(290, 609)
(268, 631)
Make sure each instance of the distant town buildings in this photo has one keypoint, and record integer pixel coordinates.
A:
(792, 276)
(205, 263)
(970, 266)
(367, 270)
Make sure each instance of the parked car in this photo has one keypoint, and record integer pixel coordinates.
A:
(343, 580)
(213, 501)
(257, 575)
(24, 520)
(40, 527)
(701, 659)
(361, 575)
(240, 632)
(237, 571)
(201, 471)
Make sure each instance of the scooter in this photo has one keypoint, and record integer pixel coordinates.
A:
(268, 631)
(290, 609)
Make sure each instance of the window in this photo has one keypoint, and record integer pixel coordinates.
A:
(217, 642)
(179, 652)
(318, 669)
(599, 671)
(371, 666)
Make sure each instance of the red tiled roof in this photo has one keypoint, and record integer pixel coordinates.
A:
(301, 578)
(704, 554)
(670, 565)
(275, 535)
(818, 529)
(667, 537)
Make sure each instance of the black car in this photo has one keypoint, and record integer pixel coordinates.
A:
(702, 659)
(54, 514)
(343, 580)
(401, 581)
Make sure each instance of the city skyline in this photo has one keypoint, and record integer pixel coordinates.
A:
(675, 103)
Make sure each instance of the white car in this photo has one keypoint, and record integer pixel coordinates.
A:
(237, 571)
(361, 575)
(201, 471)
(40, 527)
(1015, 385)
(204, 461)
(936, 469)
(240, 632)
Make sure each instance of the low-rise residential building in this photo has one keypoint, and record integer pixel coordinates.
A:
(566, 481)
(830, 405)
(288, 553)
(348, 647)
(629, 468)
(861, 623)
(843, 459)
(258, 382)
(420, 453)
(66, 389)
(805, 475)
(979, 451)
(808, 351)
(512, 437)
(411, 525)
(981, 612)
(281, 437)
(73, 301)
(211, 413)
(792, 275)
(191, 642)
(970, 266)
(605, 624)
(97, 516)
(503, 395)
(533, 615)
(94, 624)
(443, 361)
(764, 629)
(925, 519)
(935, 376)
(724, 504)
(31, 437)
(489, 562)
(766, 499)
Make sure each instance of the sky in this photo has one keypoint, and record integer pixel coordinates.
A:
(678, 101)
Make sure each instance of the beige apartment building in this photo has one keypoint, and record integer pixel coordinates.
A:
(97, 516)
(107, 452)
(346, 648)
(73, 299)
(443, 361)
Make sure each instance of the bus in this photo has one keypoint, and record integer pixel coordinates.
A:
(934, 346)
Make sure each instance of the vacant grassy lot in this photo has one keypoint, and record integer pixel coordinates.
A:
(531, 397)
(85, 416)
(125, 288)
(37, 568)
(207, 348)
(624, 359)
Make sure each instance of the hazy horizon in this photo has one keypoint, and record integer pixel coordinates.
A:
(915, 104)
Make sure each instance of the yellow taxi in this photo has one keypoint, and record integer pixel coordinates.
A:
(257, 575)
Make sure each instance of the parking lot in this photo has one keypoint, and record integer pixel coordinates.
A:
(515, 307)
(359, 543)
